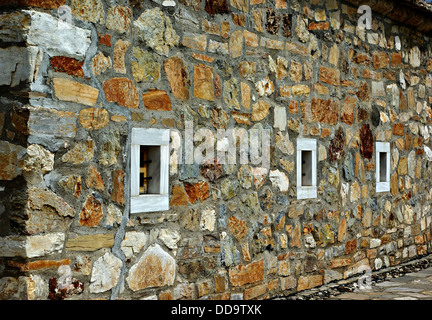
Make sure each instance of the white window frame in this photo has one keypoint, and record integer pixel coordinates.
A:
(382, 186)
(306, 192)
(149, 202)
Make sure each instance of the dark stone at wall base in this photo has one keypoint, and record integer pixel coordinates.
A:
(366, 142)
(216, 6)
(336, 147)
(375, 116)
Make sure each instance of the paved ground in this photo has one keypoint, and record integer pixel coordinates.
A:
(411, 286)
(408, 281)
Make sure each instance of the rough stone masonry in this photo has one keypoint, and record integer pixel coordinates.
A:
(76, 76)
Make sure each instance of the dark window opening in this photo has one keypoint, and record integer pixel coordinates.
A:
(149, 182)
(306, 167)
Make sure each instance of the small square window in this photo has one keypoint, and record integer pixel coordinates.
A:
(382, 166)
(306, 168)
(149, 170)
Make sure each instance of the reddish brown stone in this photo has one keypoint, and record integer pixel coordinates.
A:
(212, 170)
(217, 85)
(105, 39)
(398, 129)
(361, 58)
(362, 115)
(39, 265)
(329, 75)
(122, 91)
(350, 246)
(117, 193)
(245, 274)
(287, 25)
(363, 92)
(347, 114)
(308, 282)
(396, 60)
(394, 189)
(237, 227)
(179, 196)
(366, 141)
(336, 147)
(319, 25)
(94, 179)
(380, 60)
(429, 66)
(157, 100)
(71, 66)
(216, 6)
(238, 19)
(197, 191)
(178, 77)
(340, 262)
(203, 82)
(321, 110)
(403, 101)
(91, 214)
(46, 4)
(19, 120)
(296, 236)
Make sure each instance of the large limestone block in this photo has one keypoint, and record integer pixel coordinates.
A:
(155, 268)
(32, 246)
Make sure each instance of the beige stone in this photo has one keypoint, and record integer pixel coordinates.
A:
(260, 110)
(195, 42)
(81, 152)
(155, 268)
(90, 242)
(120, 49)
(69, 90)
(295, 71)
(265, 87)
(300, 90)
(88, 10)
(155, 28)
(242, 5)
(309, 282)
(236, 44)
(100, 63)
(334, 55)
(105, 273)
(177, 74)
(246, 274)
(119, 18)
(203, 82)
(245, 95)
(94, 118)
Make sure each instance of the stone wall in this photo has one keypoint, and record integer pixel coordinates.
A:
(71, 90)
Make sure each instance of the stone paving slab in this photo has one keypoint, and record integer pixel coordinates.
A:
(408, 281)
(411, 286)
